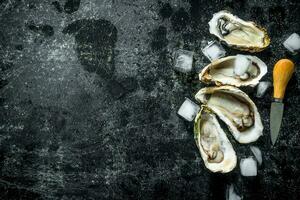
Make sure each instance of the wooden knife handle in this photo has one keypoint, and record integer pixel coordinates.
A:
(282, 73)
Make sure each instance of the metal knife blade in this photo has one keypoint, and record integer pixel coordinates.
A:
(275, 120)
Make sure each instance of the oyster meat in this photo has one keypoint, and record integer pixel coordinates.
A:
(221, 72)
(237, 33)
(215, 149)
(236, 109)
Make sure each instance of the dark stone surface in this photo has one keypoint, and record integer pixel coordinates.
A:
(165, 10)
(88, 101)
(71, 6)
(95, 42)
(46, 30)
(57, 5)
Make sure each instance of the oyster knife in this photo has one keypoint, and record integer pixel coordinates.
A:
(282, 73)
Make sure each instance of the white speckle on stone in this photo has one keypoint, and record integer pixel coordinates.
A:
(292, 43)
(61, 51)
(248, 166)
(188, 110)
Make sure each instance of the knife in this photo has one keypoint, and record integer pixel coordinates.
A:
(282, 73)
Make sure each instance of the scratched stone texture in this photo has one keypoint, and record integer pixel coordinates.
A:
(88, 101)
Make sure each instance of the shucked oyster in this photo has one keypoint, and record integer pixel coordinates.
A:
(236, 109)
(215, 149)
(221, 72)
(239, 34)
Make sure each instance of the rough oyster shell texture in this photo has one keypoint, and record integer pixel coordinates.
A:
(238, 112)
(237, 33)
(235, 109)
(215, 149)
(226, 101)
(221, 72)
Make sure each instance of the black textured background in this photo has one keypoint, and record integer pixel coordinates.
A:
(88, 101)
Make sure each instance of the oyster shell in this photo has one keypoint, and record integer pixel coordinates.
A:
(237, 33)
(215, 149)
(236, 109)
(221, 72)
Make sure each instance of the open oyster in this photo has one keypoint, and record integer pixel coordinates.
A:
(236, 109)
(237, 33)
(215, 149)
(221, 72)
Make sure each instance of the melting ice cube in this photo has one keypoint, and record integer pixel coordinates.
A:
(257, 153)
(183, 60)
(231, 195)
(262, 88)
(248, 166)
(188, 110)
(213, 51)
(241, 64)
(292, 43)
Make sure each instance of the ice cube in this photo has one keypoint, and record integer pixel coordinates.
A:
(183, 60)
(230, 193)
(262, 88)
(241, 64)
(257, 153)
(248, 166)
(213, 51)
(188, 110)
(292, 43)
